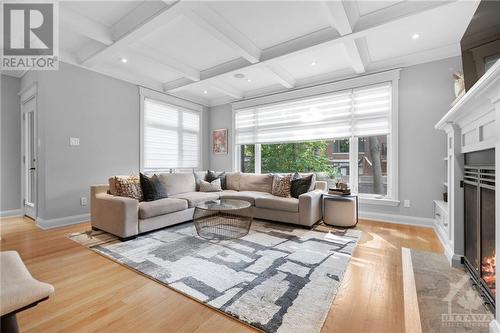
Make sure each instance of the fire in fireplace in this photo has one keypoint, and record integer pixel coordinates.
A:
(488, 272)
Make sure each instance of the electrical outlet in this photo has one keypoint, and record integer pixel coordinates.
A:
(83, 201)
(74, 141)
(406, 203)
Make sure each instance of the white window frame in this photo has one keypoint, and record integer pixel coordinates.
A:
(155, 95)
(392, 197)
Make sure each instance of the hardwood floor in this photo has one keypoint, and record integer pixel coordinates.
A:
(94, 294)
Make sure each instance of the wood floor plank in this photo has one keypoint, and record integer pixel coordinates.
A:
(95, 294)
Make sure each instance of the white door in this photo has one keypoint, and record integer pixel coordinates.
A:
(29, 156)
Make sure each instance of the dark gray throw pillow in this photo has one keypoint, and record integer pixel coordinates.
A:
(212, 175)
(152, 189)
(300, 185)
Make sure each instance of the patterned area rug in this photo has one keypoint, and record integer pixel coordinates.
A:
(278, 278)
(446, 298)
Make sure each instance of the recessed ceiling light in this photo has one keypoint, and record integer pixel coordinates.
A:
(415, 36)
(313, 63)
(124, 60)
(239, 75)
(249, 80)
(205, 92)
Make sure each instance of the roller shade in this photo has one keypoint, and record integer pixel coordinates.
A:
(355, 112)
(171, 137)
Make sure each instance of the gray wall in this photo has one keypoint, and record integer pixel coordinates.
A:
(220, 117)
(102, 112)
(425, 94)
(10, 161)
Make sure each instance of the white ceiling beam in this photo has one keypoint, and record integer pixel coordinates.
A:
(316, 40)
(339, 20)
(281, 75)
(147, 27)
(354, 56)
(172, 64)
(84, 26)
(337, 16)
(218, 27)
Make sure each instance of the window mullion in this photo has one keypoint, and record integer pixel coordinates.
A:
(258, 166)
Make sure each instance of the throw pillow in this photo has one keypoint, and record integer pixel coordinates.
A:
(300, 186)
(212, 175)
(128, 186)
(199, 175)
(152, 189)
(213, 186)
(281, 185)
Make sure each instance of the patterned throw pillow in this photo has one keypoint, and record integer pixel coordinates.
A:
(152, 188)
(213, 186)
(128, 186)
(282, 185)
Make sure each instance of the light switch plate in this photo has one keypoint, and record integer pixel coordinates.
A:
(74, 141)
(406, 203)
(83, 201)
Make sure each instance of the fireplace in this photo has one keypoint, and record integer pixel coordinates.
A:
(479, 220)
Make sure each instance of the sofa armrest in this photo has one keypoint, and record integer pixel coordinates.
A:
(321, 185)
(310, 207)
(116, 215)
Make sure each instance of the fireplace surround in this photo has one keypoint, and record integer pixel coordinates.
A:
(479, 220)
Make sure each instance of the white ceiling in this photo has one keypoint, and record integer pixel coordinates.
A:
(194, 49)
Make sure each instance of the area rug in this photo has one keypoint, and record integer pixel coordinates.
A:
(278, 278)
(447, 300)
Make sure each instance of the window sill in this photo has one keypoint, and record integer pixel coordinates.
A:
(380, 202)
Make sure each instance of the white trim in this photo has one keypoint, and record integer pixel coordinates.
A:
(346, 84)
(380, 202)
(12, 213)
(397, 219)
(62, 221)
(167, 98)
(494, 326)
(453, 259)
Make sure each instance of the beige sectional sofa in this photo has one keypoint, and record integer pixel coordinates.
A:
(126, 217)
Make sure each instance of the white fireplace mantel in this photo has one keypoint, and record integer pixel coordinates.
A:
(472, 124)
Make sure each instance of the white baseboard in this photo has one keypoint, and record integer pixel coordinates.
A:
(494, 326)
(455, 260)
(62, 221)
(12, 213)
(398, 219)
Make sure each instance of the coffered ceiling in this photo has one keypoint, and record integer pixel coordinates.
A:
(214, 52)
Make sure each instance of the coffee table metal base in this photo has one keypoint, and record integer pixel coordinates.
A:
(213, 225)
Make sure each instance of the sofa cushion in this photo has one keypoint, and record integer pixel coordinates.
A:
(213, 186)
(212, 175)
(233, 181)
(175, 183)
(152, 189)
(277, 203)
(253, 182)
(302, 185)
(194, 198)
(282, 185)
(149, 209)
(199, 175)
(242, 195)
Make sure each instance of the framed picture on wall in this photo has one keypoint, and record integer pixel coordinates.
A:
(219, 141)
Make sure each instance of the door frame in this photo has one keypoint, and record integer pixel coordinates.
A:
(27, 94)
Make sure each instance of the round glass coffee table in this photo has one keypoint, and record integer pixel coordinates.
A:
(223, 219)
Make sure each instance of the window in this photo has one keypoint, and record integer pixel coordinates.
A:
(170, 136)
(342, 136)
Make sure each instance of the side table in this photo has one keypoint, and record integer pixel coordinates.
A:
(340, 210)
